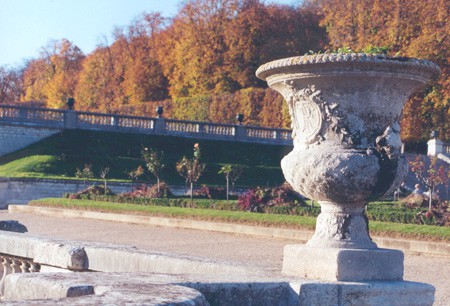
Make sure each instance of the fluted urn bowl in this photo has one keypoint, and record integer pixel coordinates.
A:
(345, 111)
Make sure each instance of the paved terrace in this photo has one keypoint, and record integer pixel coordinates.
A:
(262, 254)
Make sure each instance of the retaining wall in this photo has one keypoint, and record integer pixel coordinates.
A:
(13, 138)
(23, 190)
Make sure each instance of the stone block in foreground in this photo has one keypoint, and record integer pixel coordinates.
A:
(98, 288)
(343, 264)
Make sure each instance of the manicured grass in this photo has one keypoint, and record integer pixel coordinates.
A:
(395, 230)
(181, 212)
(39, 166)
(61, 154)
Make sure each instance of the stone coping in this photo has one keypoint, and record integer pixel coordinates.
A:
(372, 60)
(56, 254)
(431, 247)
(163, 289)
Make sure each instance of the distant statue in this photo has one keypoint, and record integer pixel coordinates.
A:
(417, 190)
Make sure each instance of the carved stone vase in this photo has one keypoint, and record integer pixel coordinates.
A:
(345, 111)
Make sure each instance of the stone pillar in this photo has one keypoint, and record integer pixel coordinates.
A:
(70, 119)
(160, 126)
(435, 147)
(240, 132)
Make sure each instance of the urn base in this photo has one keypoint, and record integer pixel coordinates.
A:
(335, 264)
(393, 293)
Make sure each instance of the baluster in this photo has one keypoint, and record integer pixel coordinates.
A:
(6, 270)
(25, 266)
(15, 265)
(6, 262)
(34, 267)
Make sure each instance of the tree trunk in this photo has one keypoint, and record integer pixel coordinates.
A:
(228, 187)
(157, 184)
(192, 194)
(430, 200)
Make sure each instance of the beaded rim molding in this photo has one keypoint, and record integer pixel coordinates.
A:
(271, 68)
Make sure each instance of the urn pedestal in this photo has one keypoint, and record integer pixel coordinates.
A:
(345, 111)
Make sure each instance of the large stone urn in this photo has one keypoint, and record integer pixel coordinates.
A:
(345, 111)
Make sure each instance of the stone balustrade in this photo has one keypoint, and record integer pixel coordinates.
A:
(69, 119)
(15, 264)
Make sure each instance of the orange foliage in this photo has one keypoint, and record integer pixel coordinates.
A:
(205, 58)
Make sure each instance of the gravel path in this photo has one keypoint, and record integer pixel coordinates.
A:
(265, 254)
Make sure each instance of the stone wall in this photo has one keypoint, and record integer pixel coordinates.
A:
(13, 138)
(23, 190)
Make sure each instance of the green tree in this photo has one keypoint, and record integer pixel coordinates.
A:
(85, 173)
(103, 173)
(191, 168)
(135, 174)
(154, 162)
(232, 173)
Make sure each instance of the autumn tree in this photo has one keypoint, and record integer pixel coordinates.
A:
(191, 108)
(194, 48)
(53, 77)
(223, 108)
(10, 84)
(432, 175)
(97, 83)
(410, 28)
(143, 79)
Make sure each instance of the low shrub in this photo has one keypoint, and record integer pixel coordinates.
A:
(143, 191)
(251, 200)
(411, 210)
(272, 200)
(90, 192)
(211, 192)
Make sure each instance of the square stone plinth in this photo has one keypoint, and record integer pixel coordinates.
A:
(343, 264)
(392, 293)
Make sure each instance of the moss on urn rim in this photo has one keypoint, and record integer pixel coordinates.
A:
(276, 66)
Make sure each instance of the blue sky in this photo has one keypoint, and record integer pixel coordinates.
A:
(28, 25)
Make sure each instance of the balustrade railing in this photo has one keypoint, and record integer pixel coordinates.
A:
(14, 264)
(179, 126)
(89, 119)
(136, 122)
(68, 119)
(220, 129)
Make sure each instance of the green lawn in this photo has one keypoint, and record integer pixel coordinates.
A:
(60, 155)
(410, 231)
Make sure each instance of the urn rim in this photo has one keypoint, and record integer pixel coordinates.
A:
(310, 63)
